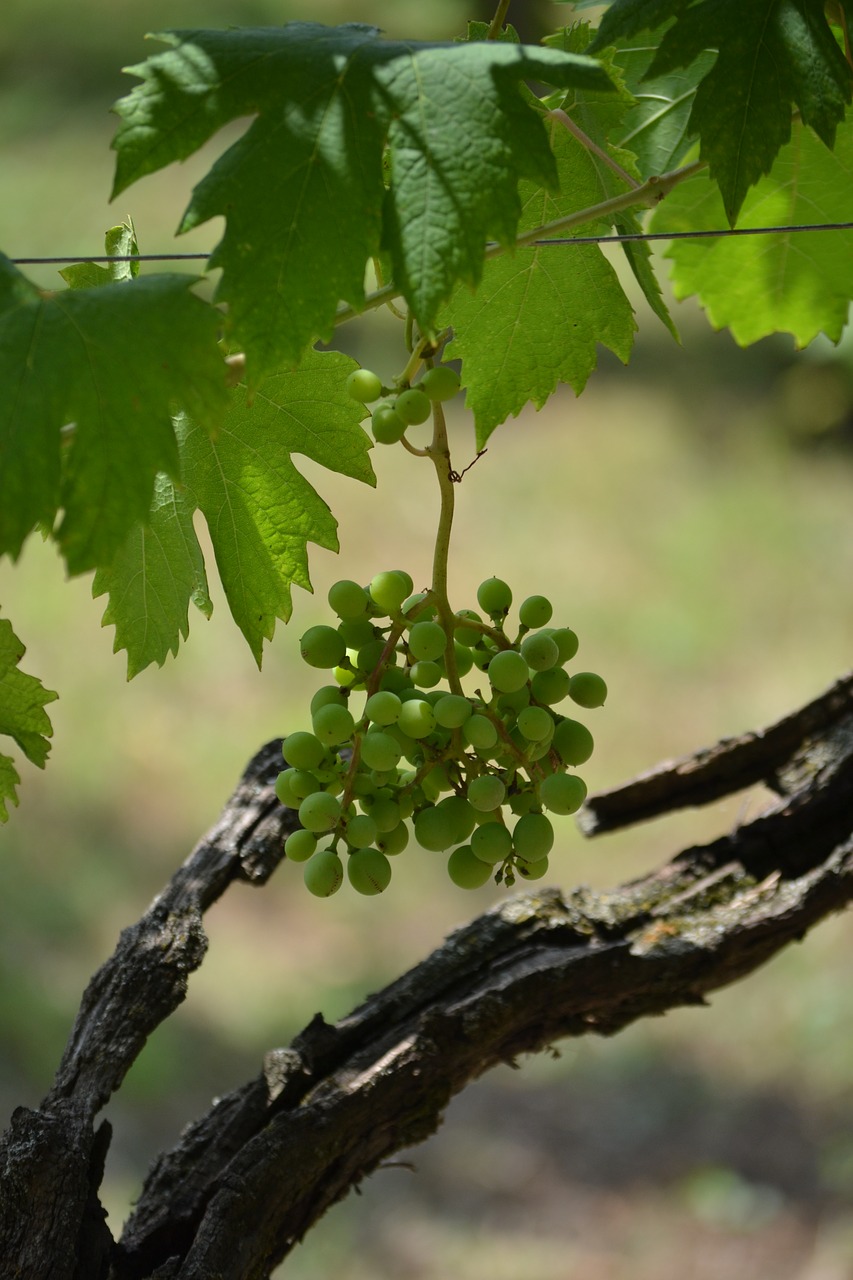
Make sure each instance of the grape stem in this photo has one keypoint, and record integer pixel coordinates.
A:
(497, 23)
(439, 451)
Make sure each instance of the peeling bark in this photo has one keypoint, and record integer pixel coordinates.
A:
(321, 1115)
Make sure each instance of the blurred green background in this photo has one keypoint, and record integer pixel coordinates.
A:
(690, 516)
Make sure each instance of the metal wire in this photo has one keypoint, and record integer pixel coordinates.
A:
(608, 239)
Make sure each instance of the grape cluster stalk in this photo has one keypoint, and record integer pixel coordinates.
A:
(399, 745)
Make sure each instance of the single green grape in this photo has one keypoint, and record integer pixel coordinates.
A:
(300, 845)
(386, 425)
(561, 792)
(386, 813)
(491, 842)
(356, 632)
(479, 732)
(532, 870)
(333, 724)
(460, 814)
(322, 647)
(304, 783)
(535, 611)
(368, 871)
(466, 870)
(383, 707)
(486, 793)
(380, 750)
(364, 386)
(303, 750)
(494, 596)
(347, 599)
(535, 724)
(464, 659)
(413, 406)
(507, 671)
(514, 702)
(573, 742)
(467, 636)
(533, 837)
(416, 718)
(440, 383)
(452, 710)
(370, 654)
(394, 841)
(426, 675)
(427, 640)
(324, 874)
(361, 831)
(550, 686)
(388, 590)
(567, 643)
(284, 790)
(328, 695)
(434, 830)
(587, 689)
(319, 811)
(539, 651)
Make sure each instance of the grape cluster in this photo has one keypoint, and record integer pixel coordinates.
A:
(407, 408)
(471, 772)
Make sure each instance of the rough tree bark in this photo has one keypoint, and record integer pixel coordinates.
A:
(322, 1114)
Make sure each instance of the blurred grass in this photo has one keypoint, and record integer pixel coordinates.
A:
(703, 555)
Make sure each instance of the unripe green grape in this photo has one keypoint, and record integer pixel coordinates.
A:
(486, 792)
(467, 636)
(425, 675)
(535, 611)
(587, 689)
(413, 406)
(328, 695)
(319, 811)
(440, 383)
(361, 831)
(347, 599)
(562, 792)
(514, 702)
(333, 724)
(567, 643)
(363, 785)
(388, 590)
(479, 732)
(405, 800)
(434, 829)
(386, 814)
(369, 654)
(461, 815)
(357, 631)
(284, 790)
(464, 659)
(427, 640)
(416, 718)
(303, 750)
(550, 686)
(383, 707)
(304, 783)
(533, 837)
(386, 425)
(494, 597)
(535, 724)
(482, 654)
(347, 678)
(395, 680)
(368, 871)
(573, 742)
(466, 870)
(532, 870)
(431, 786)
(300, 845)
(322, 647)
(364, 386)
(522, 802)
(324, 874)
(452, 710)
(507, 671)
(380, 750)
(539, 651)
(491, 842)
(394, 841)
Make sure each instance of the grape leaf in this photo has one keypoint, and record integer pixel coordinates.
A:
(22, 715)
(539, 314)
(157, 572)
(657, 127)
(797, 282)
(772, 54)
(260, 511)
(302, 191)
(106, 360)
(119, 242)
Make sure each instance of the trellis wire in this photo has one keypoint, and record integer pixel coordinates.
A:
(566, 240)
